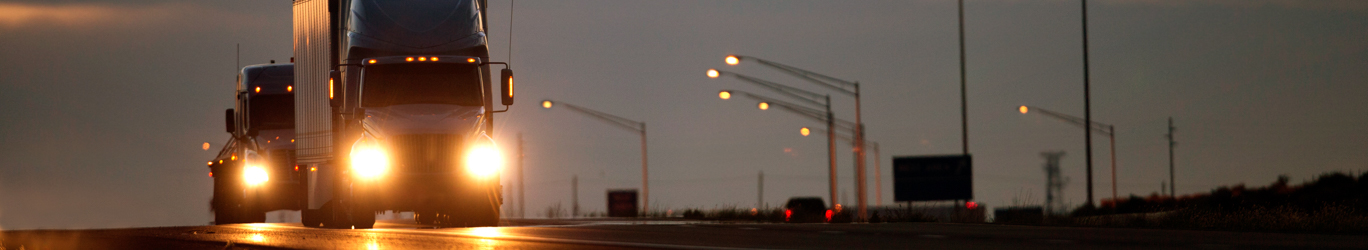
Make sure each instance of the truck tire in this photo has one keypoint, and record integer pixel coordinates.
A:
(311, 217)
(363, 218)
(224, 216)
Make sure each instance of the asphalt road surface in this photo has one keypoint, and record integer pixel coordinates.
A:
(627, 234)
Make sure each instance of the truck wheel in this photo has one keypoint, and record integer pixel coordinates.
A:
(363, 219)
(311, 217)
(224, 216)
(252, 215)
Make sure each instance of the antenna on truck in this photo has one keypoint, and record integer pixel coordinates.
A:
(511, 3)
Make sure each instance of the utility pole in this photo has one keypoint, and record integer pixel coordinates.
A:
(574, 196)
(964, 103)
(1172, 191)
(1087, 104)
(878, 178)
(522, 202)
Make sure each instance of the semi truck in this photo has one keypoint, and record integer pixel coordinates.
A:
(395, 105)
(255, 173)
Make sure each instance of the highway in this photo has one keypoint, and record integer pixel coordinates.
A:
(667, 234)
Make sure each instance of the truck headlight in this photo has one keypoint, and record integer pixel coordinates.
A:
(483, 160)
(369, 162)
(255, 175)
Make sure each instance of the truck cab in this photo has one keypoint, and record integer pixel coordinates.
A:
(396, 111)
(255, 172)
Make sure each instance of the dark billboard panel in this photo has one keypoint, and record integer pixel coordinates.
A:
(622, 203)
(933, 178)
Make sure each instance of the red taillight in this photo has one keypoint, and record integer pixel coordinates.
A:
(211, 174)
(788, 213)
(828, 215)
(970, 205)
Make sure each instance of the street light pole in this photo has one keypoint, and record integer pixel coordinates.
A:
(840, 85)
(825, 115)
(626, 124)
(645, 182)
(1090, 126)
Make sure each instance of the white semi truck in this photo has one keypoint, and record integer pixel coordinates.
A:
(394, 111)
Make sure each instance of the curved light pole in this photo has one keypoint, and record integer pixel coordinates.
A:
(839, 86)
(878, 174)
(820, 115)
(623, 123)
(1098, 127)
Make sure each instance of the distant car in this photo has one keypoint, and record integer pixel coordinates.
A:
(806, 210)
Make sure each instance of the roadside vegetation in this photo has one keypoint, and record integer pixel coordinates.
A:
(1331, 203)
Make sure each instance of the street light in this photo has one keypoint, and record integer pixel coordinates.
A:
(820, 115)
(839, 86)
(627, 124)
(724, 95)
(764, 105)
(878, 174)
(805, 131)
(1109, 130)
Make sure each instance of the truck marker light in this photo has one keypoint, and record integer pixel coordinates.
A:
(234, 157)
(470, 60)
(372, 61)
(296, 167)
(434, 59)
(211, 174)
(220, 161)
(422, 59)
(330, 85)
(291, 140)
(312, 169)
(408, 59)
(289, 88)
(258, 89)
(510, 86)
(211, 163)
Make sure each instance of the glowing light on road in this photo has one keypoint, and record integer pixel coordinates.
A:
(804, 131)
(733, 60)
(712, 73)
(486, 232)
(258, 238)
(1023, 109)
(724, 95)
(764, 106)
(546, 104)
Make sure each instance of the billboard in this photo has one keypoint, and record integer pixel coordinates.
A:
(933, 178)
(622, 203)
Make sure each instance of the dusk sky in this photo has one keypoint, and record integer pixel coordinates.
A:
(104, 105)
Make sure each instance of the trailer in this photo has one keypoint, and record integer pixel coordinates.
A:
(395, 112)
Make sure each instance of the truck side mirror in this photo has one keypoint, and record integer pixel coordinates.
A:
(228, 120)
(507, 77)
(334, 85)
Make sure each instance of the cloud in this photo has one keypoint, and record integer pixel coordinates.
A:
(90, 15)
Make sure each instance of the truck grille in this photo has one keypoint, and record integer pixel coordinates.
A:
(424, 152)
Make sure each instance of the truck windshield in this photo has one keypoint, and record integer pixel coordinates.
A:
(397, 84)
(271, 111)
